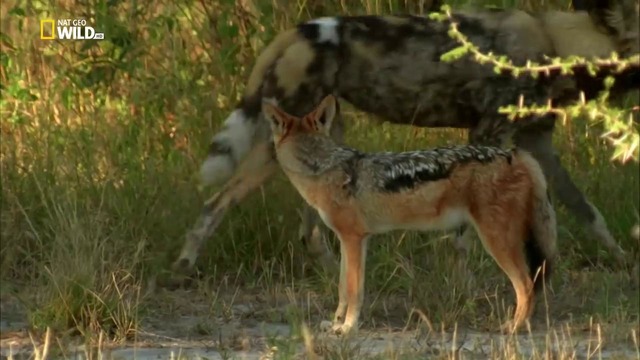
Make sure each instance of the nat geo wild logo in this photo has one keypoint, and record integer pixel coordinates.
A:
(68, 29)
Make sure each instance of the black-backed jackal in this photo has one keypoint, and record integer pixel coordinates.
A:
(502, 193)
(390, 66)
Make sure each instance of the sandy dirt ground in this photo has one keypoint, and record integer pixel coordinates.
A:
(186, 329)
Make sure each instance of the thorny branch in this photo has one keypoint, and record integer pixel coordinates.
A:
(620, 129)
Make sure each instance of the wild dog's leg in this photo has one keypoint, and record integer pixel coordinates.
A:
(354, 252)
(504, 239)
(462, 245)
(539, 143)
(254, 171)
(312, 234)
(635, 272)
(314, 238)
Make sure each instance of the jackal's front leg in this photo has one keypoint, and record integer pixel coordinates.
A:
(338, 317)
(352, 260)
(254, 171)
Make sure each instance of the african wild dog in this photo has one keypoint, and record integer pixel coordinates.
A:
(390, 66)
(502, 193)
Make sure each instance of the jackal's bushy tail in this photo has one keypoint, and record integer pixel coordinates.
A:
(230, 145)
(540, 247)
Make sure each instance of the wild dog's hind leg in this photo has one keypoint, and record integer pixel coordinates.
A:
(462, 244)
(314, 238)
(539, 143)
(256, 168)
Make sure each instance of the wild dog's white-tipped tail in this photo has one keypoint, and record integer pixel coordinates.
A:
(227, 148)
(236, 138)
(216, 169)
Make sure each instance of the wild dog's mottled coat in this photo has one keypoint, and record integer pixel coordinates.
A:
(502, 193)
(390, 66)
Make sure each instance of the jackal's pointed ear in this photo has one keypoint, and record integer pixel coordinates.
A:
(275, 116)
(324, 114)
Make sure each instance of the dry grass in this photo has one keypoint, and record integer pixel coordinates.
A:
(99, 149)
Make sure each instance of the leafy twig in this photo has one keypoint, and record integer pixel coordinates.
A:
(620, 129)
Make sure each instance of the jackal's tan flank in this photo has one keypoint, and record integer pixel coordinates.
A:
(502, 193)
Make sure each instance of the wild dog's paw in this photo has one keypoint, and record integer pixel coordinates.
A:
(326, 325)
(186, 261)
(171, 280)
(182, 265)
(183, 273)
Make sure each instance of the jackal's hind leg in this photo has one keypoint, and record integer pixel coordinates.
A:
(505, 243)
(490, 131)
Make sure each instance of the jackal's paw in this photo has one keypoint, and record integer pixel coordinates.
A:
(335, 328)
(180, 264)
(506, 328)
(343, 329)
(510, 327)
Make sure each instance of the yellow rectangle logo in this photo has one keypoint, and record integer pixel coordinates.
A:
(44, 24)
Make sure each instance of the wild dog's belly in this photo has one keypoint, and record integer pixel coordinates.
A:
(435, 105)
(408, 87)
